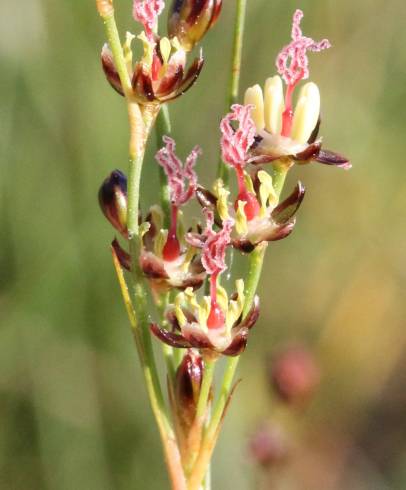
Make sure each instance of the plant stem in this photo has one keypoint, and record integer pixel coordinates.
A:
(256, 261)
(141, 122)
(163, 128)
(166, 349)
(280, 171)
(237, 51)
(223, 172)
(209, 368)
(117, 51)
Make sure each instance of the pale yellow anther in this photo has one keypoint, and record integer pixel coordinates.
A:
(241, 219)
(190, 253)
(144, 228)
(204, 312)
(179, 300)
(222, 199)
(165, 48)
(266, 191)
(274, 104)
(254, 96)
(148, 49)
(222, 298)
(128, 54)
(307, 113)
(176, 44)
(159, 242)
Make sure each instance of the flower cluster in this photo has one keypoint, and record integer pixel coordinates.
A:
(214, 323)
(179, 265)
(265, 129)
(161, 75)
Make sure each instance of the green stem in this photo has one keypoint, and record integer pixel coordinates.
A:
(280, 171)
(163, 128)
(209, 368)
(223, 172)
(118, 54)
(256, 261)
(166, 349)
(141, 122)
(237, 51)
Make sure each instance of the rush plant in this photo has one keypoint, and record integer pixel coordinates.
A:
(169, 271)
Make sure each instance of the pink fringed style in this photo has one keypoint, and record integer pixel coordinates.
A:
(147, 12)
(236, 143)
(182, 180)
(213, 245)
(297, 68)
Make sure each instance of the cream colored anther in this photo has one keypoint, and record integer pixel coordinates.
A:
(254, 96)
(274, 104)
(307, 113)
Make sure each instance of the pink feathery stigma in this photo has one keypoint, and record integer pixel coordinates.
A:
(215, 245)
(182, 180)
(235, 143)
(146, 12)
(292, 62)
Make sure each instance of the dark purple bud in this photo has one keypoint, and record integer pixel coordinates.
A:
(268, 446)
(189, 20)
(294, 375)
(113, 200)
(188, 382)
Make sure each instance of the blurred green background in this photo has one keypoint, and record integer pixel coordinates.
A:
(73, 409)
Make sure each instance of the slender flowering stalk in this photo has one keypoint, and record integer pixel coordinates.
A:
(159, 256)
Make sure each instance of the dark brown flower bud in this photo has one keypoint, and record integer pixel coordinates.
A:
(294, 375)
(113, 200)
(187, 388)
(268, 446)
(189, 20)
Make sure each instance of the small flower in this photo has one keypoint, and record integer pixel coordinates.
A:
(274, 220)
(161, 75)
(189, 20)
(188, 319)
(113, 200)
(281, 133)
(166, 258)
(215, 323)
(257, 213)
